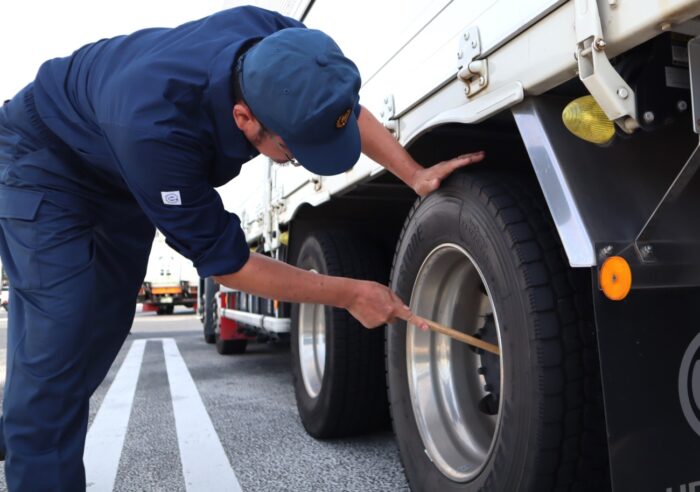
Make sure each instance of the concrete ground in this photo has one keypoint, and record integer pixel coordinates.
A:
(235, 428)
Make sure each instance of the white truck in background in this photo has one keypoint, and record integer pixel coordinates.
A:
(171, 280)
(574, 246)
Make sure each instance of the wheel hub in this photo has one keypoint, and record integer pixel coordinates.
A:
(455, 390)
(312, 346)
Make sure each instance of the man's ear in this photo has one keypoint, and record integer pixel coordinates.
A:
(244, 117)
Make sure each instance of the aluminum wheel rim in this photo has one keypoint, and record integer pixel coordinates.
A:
(444, 380)
(312, 346)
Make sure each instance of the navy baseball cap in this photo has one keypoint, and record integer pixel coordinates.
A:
(299, 84)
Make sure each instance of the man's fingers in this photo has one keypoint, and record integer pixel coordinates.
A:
(465, 159)
(406, 315)
(448, 167)
(419, 322)
(404, 312)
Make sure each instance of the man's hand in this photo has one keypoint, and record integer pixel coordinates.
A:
(374, 304)
(380, 146)
(427, 180)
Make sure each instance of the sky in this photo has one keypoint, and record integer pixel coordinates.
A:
(32, 31)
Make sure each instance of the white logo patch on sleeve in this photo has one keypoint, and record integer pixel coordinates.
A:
(171, 197)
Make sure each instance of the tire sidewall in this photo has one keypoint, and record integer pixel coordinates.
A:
(432, 225)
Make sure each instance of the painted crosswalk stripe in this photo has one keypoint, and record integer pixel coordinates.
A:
(205, 466)
(105, 440)
(204, 462)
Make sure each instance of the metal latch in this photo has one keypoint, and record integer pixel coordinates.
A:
(615, 97)
(388, 116)
(470, 70)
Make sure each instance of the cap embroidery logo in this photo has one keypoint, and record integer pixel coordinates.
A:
(343, 119)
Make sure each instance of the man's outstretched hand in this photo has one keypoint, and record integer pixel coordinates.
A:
(374, 304)
(427, 180)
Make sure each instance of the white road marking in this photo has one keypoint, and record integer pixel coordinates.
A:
(105, 439)
(204, 462)
(205, 466)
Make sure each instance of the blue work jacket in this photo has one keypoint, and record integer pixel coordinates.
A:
(154, 110)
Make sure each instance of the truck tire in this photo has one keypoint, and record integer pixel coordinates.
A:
(337, 364)
(482, 256)
(230, 347)
(168, 309)
(209, 309)
(225, 347)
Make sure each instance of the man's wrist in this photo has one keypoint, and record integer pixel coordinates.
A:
(348, 291)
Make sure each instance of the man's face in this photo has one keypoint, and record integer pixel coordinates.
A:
(273, 147)
(266, 142)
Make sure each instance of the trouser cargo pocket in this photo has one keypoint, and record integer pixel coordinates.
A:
(19, 240)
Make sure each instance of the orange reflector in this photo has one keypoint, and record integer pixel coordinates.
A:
(615, 278)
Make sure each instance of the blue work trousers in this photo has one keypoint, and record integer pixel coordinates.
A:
(75, 245)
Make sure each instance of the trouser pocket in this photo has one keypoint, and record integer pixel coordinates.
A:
(19, 241)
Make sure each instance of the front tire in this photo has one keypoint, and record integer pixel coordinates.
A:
(481, 255)
(337, 364)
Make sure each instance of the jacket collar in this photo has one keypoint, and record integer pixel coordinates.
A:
(230, 142)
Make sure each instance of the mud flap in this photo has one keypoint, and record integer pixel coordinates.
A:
(650, 361)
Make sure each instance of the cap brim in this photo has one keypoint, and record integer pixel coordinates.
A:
(332, 156)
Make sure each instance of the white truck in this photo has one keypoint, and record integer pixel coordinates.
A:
(574, 246)
(171, 280)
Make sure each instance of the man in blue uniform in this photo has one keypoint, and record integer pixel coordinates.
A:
(135, 132)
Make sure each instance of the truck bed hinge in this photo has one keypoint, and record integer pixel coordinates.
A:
(470, 70)
(388, 116)
(609, 89)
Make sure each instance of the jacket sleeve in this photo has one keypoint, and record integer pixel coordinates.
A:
(167, 176)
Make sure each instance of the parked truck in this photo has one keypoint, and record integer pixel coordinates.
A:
(574, 246)
(171, 280)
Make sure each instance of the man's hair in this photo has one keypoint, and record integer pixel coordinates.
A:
(237, 94)
(236, 91)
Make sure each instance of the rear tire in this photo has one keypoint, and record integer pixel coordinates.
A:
(338, 376)
(542, 427)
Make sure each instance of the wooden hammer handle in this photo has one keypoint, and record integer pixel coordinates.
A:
(458, 335)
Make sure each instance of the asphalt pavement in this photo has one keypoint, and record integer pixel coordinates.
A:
(173, 415)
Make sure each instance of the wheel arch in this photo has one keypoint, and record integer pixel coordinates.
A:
(357, 209)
